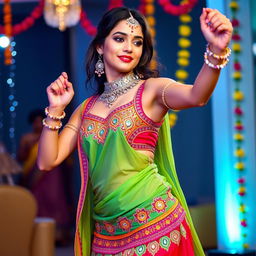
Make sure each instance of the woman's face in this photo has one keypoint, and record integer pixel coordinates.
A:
(122, 49)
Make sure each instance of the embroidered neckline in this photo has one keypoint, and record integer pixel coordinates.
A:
(136, 101)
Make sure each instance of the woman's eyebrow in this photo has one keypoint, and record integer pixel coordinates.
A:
(124, 34)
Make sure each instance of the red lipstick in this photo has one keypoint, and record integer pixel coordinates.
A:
(125, 58)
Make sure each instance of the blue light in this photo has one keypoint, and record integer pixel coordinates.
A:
(9, 81)
(12, 108)
(11, 97)
(15, 103)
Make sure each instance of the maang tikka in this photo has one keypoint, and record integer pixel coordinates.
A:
(132, 22)
(99, 66)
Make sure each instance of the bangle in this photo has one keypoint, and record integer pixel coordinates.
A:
(54, 117)
(53, 128)
(72, 127)
(163, 95)
(218, 57)
(211, 65)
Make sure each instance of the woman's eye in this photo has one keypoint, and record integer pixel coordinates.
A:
(138, 43)
(118, 39)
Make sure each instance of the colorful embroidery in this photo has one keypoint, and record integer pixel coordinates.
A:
(151, 231)
(172, 238)
(109, 227)
(159, 205)
(153, 247)
(124, 223)
(130, 118)
(165, 242)
(140, 250)
(141, 215)
(183, 231)
(175, 237)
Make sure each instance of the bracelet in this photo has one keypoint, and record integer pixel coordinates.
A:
(54, 117)
(53, 128)
(72, 127)
(211, 65)
(218, 57)
(163, 96)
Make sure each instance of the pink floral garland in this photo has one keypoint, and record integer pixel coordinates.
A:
(28, 21)
(177, 9)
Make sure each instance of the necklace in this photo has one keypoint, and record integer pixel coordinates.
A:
(118, 87)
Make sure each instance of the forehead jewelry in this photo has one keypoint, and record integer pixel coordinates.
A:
(132, 23)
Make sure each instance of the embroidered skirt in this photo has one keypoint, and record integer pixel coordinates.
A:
(160, 228)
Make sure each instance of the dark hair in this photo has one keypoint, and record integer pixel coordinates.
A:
(34, 114)
(107, 23)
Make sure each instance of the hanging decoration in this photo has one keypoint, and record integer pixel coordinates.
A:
(62, 13)
(238, 97)
(148, 9)
(183, 56)
(87, 24)
(28, 21)
(183, 8)
(7, 10)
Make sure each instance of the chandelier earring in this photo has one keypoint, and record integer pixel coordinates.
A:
(99, 66)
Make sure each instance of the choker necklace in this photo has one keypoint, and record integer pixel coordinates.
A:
(118, 87)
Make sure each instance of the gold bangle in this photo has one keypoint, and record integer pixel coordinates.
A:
(218, 57)
(54, 117)
(72, 127)
(163, 95)
(53, 128)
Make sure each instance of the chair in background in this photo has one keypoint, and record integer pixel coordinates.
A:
(20, 233)
(204, 219)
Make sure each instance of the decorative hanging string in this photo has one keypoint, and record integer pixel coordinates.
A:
(148, 9)
(28, 21)
(183, 8)
(238, 97)
(183, 55)
(7, 10)
(87, 24)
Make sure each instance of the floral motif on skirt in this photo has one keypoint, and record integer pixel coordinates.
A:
(168, 234)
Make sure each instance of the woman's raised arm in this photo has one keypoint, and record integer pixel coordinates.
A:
(54, 147)
(217, 30)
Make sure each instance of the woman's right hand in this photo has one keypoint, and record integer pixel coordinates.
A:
(60, 92)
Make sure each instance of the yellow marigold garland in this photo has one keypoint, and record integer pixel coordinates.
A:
(183, 56)
(149, 10)
(238, 97)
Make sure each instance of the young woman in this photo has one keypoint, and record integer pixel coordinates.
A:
(131, 202)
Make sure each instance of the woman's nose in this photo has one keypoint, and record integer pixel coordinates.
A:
(128, 47)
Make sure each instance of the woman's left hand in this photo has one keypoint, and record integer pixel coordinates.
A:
(216, 28)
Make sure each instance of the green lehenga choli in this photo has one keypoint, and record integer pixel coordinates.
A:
(130, 205)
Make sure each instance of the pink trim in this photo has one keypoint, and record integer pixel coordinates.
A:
(139, 108)
(141, 237)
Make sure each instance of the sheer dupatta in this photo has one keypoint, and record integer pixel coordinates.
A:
(166, 166)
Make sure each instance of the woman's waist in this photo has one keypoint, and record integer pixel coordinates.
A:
(120, 194)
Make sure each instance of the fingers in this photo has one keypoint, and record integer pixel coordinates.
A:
(213, 19)
(60, 85)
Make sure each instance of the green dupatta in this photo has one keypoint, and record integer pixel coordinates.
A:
(166, 166)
